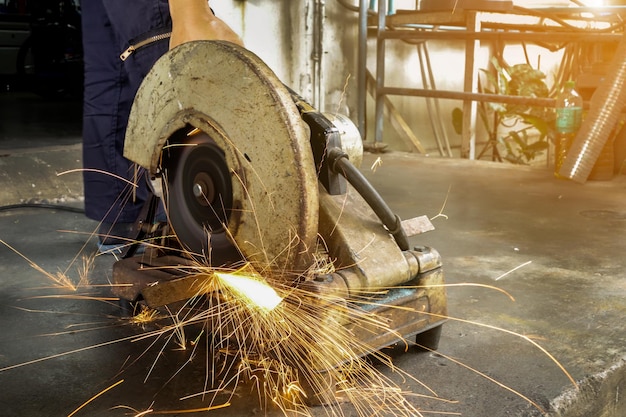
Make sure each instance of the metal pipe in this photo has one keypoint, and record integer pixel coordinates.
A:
(433, 116)
(362, 68)
(604, 113)
(500, 35)
(380, 71)
(318, 52)
(437, 108)
(461, 95)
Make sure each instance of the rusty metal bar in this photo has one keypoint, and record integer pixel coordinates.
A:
(458, 95)
(497, 35)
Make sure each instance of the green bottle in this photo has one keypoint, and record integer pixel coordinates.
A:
(569, 115)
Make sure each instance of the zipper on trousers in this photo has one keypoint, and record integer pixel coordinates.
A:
(155, 38)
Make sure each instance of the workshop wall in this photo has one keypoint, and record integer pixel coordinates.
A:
(312, 46)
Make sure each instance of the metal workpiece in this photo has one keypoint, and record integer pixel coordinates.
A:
(231, 95)
(136, 279)
(411, 313)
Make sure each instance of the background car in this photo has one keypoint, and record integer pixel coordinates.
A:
(41, 46)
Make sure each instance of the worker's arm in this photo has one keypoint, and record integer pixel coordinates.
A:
(194, 20)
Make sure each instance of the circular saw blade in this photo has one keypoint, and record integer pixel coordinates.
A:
(231, 95)
(199, 198)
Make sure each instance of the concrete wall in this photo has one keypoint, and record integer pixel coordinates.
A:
(310, 44)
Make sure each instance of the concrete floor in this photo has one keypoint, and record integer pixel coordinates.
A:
(58, 351)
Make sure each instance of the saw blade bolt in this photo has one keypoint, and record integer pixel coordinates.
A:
(197, 190)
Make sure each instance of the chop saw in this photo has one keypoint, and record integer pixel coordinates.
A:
(250, 172)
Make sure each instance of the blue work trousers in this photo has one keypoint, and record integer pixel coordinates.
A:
(109, 28)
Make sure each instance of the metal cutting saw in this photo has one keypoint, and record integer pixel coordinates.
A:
(249, 171)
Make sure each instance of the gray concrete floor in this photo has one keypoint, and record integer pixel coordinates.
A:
(58, 351)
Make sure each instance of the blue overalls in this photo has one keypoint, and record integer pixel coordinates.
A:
(109, 28)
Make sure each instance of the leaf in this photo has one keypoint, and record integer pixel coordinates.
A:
(457, 120)
(516, 137)
(537, 122)
(537, 147)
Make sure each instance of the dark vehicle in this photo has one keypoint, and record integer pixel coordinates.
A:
(14, 30)
(49, 58)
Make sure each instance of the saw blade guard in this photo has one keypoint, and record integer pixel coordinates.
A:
(222, 106)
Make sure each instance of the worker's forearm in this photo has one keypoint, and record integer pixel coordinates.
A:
(193, 20)
(187, 10)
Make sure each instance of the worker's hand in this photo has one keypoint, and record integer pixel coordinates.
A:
(193, 20)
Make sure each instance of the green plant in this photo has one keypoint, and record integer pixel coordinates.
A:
(522, 131)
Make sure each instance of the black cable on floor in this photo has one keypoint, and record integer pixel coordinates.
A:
(41, 206)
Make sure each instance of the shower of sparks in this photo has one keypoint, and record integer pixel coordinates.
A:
(61, 279)
(145, 315)
(298, 352)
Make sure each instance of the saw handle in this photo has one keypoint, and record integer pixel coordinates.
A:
(339, 163)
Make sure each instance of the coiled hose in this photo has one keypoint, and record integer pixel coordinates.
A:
(604, 112)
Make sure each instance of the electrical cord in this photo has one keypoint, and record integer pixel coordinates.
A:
(341, 165)
(41, 206)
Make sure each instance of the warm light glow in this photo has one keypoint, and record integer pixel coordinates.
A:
(252, 289)
(592, 3)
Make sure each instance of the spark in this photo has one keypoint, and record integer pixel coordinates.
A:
(465, 284)
(445, 201)
(343, 93)
(490, 379)
(194, 410)
(519, 335)
(377, 163)
(94, 397)
(66, 353)
(145, 315)
(60, 278)
(513, 270)
(84, 270)
(99, 171)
